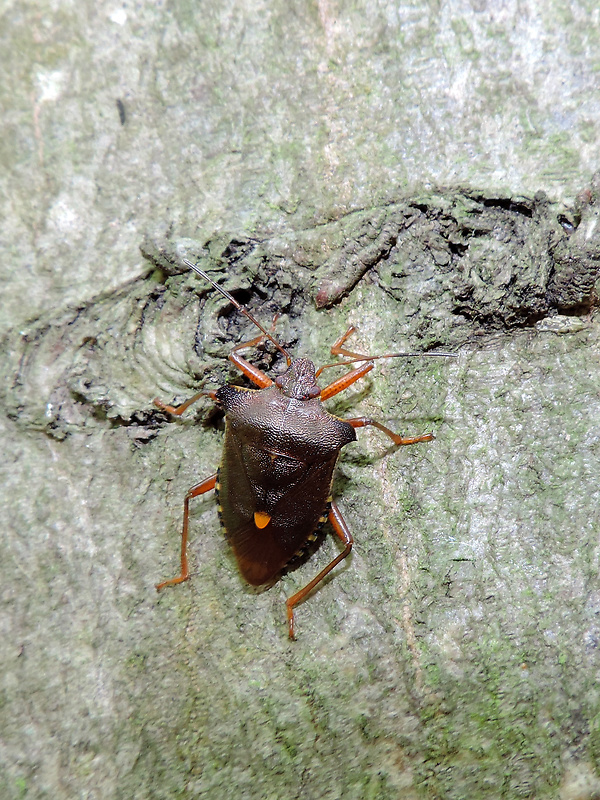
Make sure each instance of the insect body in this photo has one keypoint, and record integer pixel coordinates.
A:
(280, 450)
(275, 477)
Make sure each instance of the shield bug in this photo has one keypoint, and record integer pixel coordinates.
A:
(281, 446)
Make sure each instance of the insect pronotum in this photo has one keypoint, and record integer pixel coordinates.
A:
(281, 446)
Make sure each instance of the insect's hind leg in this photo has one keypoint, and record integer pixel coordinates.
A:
(343, 532)
(200, 488)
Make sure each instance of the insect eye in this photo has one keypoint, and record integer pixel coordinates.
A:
(279, 381)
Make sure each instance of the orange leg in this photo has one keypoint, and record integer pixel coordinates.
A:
(351, 377)
(200, 488)
(256, 375)
(343, 532)
(346, 380)
(338, 350)
(362, 422)
(178, 410)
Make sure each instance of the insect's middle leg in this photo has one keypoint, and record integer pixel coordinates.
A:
(178, 410)
(362, 422)
(343, 532)
(200, 488)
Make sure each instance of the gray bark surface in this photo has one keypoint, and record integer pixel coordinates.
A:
(423, 172)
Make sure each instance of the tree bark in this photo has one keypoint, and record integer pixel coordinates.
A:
(288, 150)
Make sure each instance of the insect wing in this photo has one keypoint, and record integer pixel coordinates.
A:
(292, 494)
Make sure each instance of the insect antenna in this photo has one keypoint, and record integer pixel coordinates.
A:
(386, 355)
(239, 307)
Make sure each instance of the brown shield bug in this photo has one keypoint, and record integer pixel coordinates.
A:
(281, 446)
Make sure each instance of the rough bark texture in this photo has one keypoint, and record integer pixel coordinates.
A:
(291, 150)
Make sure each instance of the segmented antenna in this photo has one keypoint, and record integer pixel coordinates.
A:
(386, 355)
(356, 356)
(239, 307)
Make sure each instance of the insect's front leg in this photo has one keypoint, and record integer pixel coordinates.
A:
(340, 384)
(200, 488)
(338, 350)
(257, 376)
